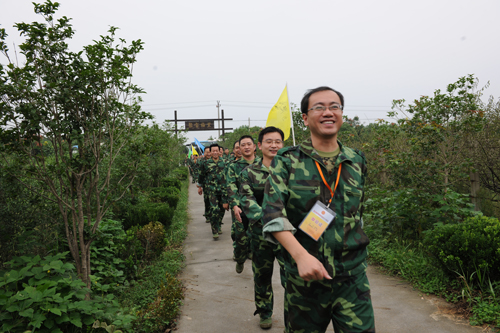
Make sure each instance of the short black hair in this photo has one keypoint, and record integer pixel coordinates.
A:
(271, 129)
(304, 104)
(236, 142)
(246, 137)
(214, 145)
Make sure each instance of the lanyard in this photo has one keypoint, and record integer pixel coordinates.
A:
(336, 182)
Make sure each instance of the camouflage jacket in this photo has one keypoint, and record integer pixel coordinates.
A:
(253, 179)
(212, 177)
(293, 188)
(233, 179)
(195, 167)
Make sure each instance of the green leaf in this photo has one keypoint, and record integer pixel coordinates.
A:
(38, 319)
(5, 316)
(37, 270)
(28, 313)
(62, 319)
(55, 311)
(88, 320)
(75, 319)
(49, 323)
(49, 292)
(11, 276)
(13, 308)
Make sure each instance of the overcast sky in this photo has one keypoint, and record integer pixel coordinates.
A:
(243, 53)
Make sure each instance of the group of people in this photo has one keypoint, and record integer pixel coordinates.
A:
(301, 205)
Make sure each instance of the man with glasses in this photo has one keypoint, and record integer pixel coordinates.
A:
(253, 179)
(240, 240)
(313, 205)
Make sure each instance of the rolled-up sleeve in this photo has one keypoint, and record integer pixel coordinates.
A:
(275, 197)
(278, 224)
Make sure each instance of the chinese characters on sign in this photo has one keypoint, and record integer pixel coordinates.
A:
(199, 125)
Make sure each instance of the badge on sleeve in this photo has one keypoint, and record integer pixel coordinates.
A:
(317, 220)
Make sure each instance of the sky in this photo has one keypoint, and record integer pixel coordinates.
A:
(243, 53)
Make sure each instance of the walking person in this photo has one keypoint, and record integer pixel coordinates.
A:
(240, 240)
(212, 183)
(313, 206)
(253, 179)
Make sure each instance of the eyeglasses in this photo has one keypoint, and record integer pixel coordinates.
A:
(322, 108)
(270, 141)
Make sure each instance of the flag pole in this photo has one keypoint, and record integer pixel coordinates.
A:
(291, 116)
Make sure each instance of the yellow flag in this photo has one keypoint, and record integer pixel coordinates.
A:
(279, 116)
(194, 151)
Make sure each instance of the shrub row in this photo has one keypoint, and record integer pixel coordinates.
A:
(468, 248)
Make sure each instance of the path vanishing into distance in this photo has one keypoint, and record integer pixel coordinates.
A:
(217, 299)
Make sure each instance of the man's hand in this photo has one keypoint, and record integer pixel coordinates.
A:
(311, 268)
(225, 206)
(200, 190)
(237, 213)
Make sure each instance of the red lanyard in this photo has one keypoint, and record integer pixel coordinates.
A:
(327, 185)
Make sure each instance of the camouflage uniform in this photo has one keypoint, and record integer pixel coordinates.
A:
(253, 179)
(212, 179)
(238, 229)
(195, 167)
(206, 201)
(292, 189)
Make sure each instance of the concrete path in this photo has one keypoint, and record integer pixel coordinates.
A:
(217, 299)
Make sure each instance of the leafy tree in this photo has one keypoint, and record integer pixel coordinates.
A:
(84, 104)
(486, 153)
(439, 135)
(165, 153)
(230, 138)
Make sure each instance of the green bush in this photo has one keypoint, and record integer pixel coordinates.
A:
(145, 212)
(152, 238)
(471, 248)
(408, 213)
(132, 253)
(181, 173)
(108, 267)
(410, 261)
(169, 195)
(486, 312)
(44, 295)
(171, 181)
(159, 314)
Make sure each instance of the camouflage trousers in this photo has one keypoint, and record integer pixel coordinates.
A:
(215, 212)
(206, 201)
(345, 301)
(264, 253)
(241, 244)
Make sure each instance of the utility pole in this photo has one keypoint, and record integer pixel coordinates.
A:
(218, 117)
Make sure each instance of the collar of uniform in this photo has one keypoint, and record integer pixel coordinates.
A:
(259, 166)
(243, 161)
(307, 148)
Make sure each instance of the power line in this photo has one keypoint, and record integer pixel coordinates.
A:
(183, 107)
(178, 103)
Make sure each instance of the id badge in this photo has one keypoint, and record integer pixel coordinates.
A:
(317, 220)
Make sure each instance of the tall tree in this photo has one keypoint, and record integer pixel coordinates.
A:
(84, 104)
(439, 135)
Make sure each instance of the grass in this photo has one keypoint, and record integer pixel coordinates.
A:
(410, 261)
